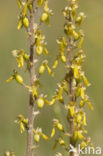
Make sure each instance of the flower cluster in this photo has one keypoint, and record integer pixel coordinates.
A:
(23, 58)
(74, 83)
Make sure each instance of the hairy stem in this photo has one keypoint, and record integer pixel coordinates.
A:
(30, 151)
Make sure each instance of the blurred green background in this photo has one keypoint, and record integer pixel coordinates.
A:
(14, 99)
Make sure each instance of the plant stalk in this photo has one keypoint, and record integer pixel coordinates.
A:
(71, 119)
(72, 98)
(30, 151)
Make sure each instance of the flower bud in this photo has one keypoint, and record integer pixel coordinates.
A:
(7, 153)
(72, 111)
(41, 69)
(26, 22)
(19, 24)
(37, 137)
(40, 2)
(82, 103)
(22, 128)
(84, 120)
(74, 1)
(63, 58)
(55, 64)
(10, 79)
(39, 50)
(83, 144)
(44, 17)
(80, 136)
(60, 126)
(75, 136)
(29, 6)
(19, 79)
(61, 141)
(76, 36)
(26, 56)
(40, 103)
(73, 11)
(79, 117)
(68, 29)
(79, 18)
(19, 4)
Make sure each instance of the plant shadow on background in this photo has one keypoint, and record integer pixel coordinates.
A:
(14, 99)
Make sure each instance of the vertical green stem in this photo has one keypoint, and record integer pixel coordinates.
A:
(30, 151)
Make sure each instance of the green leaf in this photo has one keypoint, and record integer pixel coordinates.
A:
(19, 4)
(19, 79)
(44, 17)
(79, 117)
(84, 120)
(55, 64)
(44, 136)
(63, 59)
(81, 42)
(39, 49)
(86, 81)
(55, 145)
(45, 51)
(26, 22)
(80, 136)
(82, 93)
(53, 132)
(40, 2)
(10, 79)
(37, 138)
(72, 110)
(24, 11)
(49, 70)
(60, 126)
(19, 24)
(90, 106)
(20, 61)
